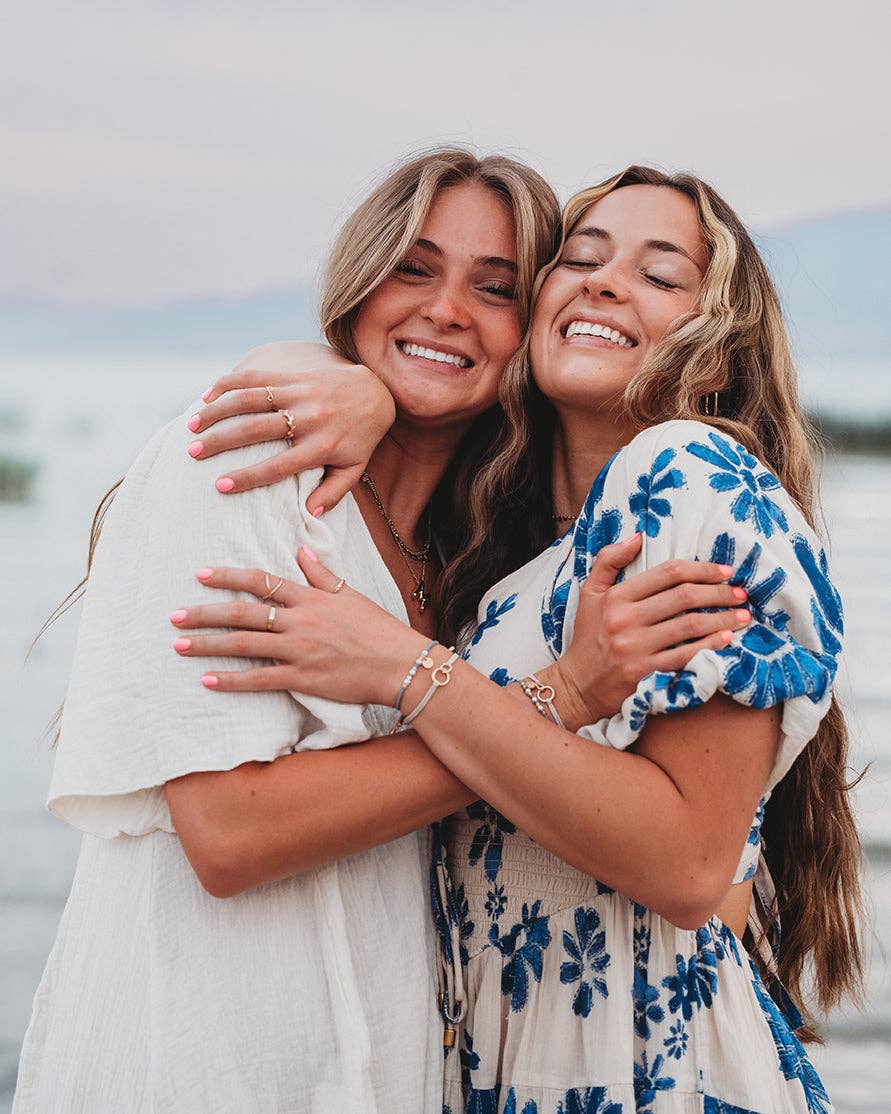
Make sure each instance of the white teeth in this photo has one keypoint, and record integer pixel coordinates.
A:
(587, 328)
(433, 354)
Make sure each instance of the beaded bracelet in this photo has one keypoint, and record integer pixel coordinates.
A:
(424, 659)
(439, 678)
(542, 696)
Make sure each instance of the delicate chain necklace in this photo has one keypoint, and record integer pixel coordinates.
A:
(563, 517)
(421, 557)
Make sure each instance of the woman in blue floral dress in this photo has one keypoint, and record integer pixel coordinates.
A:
(592, 905)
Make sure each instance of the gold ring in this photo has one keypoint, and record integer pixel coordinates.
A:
(270, 619)
(270, 592)
(338, 585)
(271, 399)
(289, 421)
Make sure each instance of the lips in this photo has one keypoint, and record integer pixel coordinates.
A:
(435, 354)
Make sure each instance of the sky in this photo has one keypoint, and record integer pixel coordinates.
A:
(160, 151)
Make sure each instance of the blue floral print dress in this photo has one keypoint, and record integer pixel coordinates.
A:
(573, 999)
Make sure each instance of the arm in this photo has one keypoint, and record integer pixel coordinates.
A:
(340, 412)
(264, 821)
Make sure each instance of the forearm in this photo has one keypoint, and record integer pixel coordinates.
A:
(265, 821)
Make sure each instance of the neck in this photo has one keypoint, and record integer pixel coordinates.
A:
(583, 443)
(406, 468)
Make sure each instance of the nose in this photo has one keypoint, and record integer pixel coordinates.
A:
(447, 307)
(607, 281)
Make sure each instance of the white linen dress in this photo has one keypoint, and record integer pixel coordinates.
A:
(312, 995)
(578, 1000)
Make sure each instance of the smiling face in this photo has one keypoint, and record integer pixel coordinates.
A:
(439, 330)
(632, 265)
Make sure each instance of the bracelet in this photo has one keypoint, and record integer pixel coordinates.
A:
(439, 678)
(542, 696)
(424, 659)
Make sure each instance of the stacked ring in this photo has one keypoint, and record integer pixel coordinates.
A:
(289, 431)
(271, 399)
(270, 619)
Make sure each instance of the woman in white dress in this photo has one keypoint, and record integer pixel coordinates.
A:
(592, 913)
(311, 988)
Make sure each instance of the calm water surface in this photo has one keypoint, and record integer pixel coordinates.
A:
(82, 423)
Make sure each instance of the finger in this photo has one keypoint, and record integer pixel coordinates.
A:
(231, 405)
(235, 644)
(673, 572)
(336, 484)
(265, 678)
(237, 433)
(610, 561)
(289, 462)
(670, 661)
(236, 615)
(691, 627)
(317, 575)
(687, 597)
(257, 582)
(245, 377)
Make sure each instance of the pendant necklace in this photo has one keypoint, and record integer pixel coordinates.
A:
(419, 595)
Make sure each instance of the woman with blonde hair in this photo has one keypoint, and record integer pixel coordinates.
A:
(311, 988)
(594, 913)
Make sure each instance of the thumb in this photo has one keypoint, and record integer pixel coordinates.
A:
(317, 574)
(610, 560)
(336, 483)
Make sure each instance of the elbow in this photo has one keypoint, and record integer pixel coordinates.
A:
(217, 865)
(692, 900)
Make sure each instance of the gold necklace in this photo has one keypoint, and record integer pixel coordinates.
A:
(419, 595)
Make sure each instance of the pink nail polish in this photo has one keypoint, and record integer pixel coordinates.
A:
(309, 553)
(196, 448)
(178, 616)
(740, 594)
(726, 635)
(204, 574)
(207, 394)
(210, 680)
(318, 512)
(182, 643)
(225, 484)
(194, 422)
(743, 616)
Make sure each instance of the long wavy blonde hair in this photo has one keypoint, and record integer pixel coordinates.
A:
(734, 350)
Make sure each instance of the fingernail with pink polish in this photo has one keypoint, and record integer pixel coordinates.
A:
(740, 594)
(204, 574)
(194, 422)
(178, 616)
(309, 553)
(196, 448)
(207, 394)
(727, 635)
(318, 512)
(224, 484)
(182, 644)
(210, 680)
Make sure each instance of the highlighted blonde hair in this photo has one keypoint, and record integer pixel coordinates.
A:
(735, 344)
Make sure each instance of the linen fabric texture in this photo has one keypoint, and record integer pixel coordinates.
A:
(577, 998)
(309, 995)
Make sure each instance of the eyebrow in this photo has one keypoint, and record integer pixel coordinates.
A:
(480, 260)
(653, 245)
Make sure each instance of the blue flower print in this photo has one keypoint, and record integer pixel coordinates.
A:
(553, 616)
(501, 677)
(794, 1063)
(645, 999)
(648, 1079)
(495, 611)
(711, 1105)
(826, 605)
(588, 1100)
(722, 940)
(641, 934)
(739, 471)
(648, 502)
(588, 959)
(488, 839)
(470, 1060)
(695, 983)
(496, 902)
(760, 592)
(523, 958)
(604, 530)
(466, 925)
(677, 1040)
(510, 1105)
(754, 836)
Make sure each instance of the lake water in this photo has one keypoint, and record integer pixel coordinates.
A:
(82, 422)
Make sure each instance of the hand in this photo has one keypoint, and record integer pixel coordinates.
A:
(340, 412)
(651, 621)
(324, 641)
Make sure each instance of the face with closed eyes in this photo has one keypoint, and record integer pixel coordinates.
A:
(439, 330)
(631, 267)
